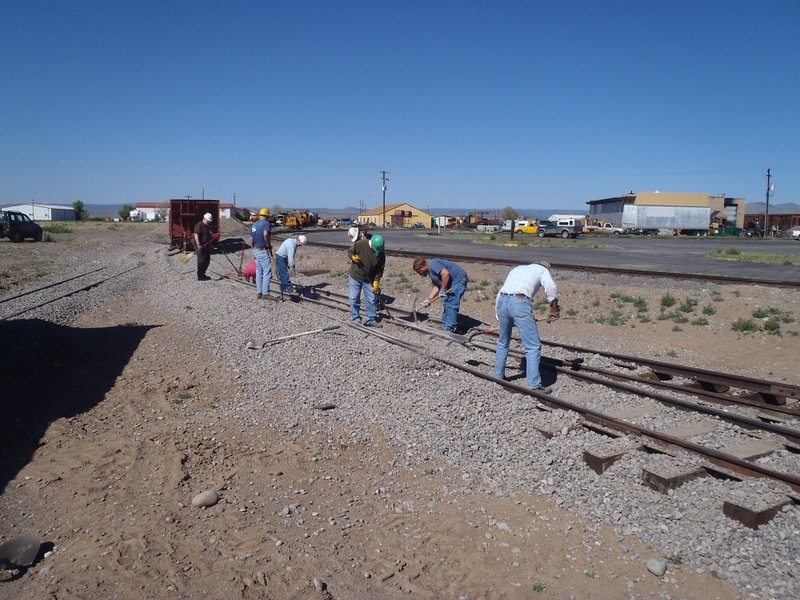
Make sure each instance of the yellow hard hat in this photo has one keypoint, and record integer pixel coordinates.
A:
(264, 212)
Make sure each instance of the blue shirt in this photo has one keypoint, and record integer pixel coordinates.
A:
(457, 274)
(258, 229)
(287, 250)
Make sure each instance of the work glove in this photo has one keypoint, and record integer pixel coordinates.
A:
(355, 258)
(376, 287)
(443, 293)
(554, 312)
(425, 303)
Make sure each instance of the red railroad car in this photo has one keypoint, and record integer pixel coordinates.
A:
(184, 215)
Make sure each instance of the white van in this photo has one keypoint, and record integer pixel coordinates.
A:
(517, 224)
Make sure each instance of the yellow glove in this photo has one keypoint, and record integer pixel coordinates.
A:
(356, 259)
(376, 286)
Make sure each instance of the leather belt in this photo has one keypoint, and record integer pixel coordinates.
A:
(515, 295)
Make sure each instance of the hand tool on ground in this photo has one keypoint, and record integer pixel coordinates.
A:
(187, 257)
(414, 309)
(483, 331)
(259, 345)
(20, 551)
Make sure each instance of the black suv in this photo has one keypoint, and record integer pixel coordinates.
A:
(17, 226)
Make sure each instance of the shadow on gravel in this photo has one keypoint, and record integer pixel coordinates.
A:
(50, 372)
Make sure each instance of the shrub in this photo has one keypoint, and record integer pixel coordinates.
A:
(760, 313)
(688, 305)
(773, 326)
(700, 321)
(709, 310)
(744, 325)
(667, 300)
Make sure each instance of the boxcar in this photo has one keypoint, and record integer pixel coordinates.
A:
(184, 215)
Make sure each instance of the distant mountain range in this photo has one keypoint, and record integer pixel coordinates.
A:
(111, 210)
(785, 208)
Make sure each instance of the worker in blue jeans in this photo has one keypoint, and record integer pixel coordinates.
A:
(449, 282)
(513, 307)
(368, 261)
(284, 260)
(262, 249)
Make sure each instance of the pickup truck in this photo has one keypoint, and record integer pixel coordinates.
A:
(565, 229)
(609, 228)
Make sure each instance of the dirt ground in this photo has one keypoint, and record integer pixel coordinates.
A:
(306, 512)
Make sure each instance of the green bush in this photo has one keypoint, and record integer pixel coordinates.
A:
(709, 310)
(667, 300)
(760, 313)
(744, 325)
(700, 321)
(773, 326)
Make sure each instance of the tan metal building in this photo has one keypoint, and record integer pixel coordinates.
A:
(397, 215)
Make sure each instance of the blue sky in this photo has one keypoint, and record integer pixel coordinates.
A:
(466, 104)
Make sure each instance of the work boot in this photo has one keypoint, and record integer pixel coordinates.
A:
(259, 296)
(544, 390)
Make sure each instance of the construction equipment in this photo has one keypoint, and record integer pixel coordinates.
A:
(296, 219)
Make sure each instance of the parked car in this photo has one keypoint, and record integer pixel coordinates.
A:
(17, 226)
(418, 226)
(532, 229)
(567, 228)
(796, 234)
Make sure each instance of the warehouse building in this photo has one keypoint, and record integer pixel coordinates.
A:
(45, 212)
(673, 212)
(396, 215)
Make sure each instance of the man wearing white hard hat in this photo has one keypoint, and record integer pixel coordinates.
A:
(202, 238)
(284, 260)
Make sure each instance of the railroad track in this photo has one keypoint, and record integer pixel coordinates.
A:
(705, 278)
(759, 435)
(29, 300)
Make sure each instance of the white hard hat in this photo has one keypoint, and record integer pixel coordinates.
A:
(353, 232)
(208, 217)
(302, 239)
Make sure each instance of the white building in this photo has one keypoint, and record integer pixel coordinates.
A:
(45, 212)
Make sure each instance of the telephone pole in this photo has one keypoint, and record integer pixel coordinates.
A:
(766, 204)
(384, 181)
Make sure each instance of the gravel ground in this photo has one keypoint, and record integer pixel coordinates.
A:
(471, 439)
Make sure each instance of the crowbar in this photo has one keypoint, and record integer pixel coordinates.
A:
(257, 346)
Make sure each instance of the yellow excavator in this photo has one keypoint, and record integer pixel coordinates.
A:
(296, 219)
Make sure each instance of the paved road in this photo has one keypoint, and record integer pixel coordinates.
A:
(649, 254)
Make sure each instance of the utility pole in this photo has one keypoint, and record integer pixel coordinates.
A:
(384, 181)
(766, 204)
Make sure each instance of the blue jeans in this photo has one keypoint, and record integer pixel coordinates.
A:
(263, 270)
(450, 305)
(511, 311)
(282, 266)
(354, 288)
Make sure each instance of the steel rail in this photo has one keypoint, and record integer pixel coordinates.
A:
(720, 458)
(49, 285)
(676, 387)
(569, 367)
(62, 296)
(738, 381)
(790, 434)
(732, 380)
